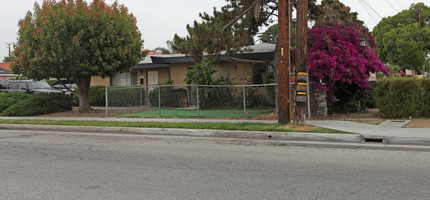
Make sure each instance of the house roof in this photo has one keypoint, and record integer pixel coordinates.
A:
(155, 53)
(5, 69)
(172, 58)
(262, 48)
(147, 62)
(5, 66)
(263, 51)
(150, 65)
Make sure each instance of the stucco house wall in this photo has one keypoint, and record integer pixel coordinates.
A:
(99, 81)
(163, 75)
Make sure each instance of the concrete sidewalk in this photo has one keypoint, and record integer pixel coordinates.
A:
(388, 132)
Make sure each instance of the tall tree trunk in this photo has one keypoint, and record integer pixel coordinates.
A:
(84, 93)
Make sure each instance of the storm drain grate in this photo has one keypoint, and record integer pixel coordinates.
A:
(373, 140)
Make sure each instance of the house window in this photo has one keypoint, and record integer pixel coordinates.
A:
(124, 79)
(259, 74)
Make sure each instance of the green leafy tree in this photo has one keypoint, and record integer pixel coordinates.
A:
(10, 58)
(201, 74)
(162, 50)
(400, 39)
(168, 50)
(271, 35)
(230, 28)
(335, 12)
(74, 40)
(210, 97)
(329, 11)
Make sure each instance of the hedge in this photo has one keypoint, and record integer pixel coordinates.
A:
(426, 97)
(40, 104)
(9, 99)
(118, 96)
(403, 97)
(165, 96)
(125, 96)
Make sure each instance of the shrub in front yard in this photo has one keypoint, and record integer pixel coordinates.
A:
(40, 104)
(97, 95)
(9, 99)
(125, 96)
(399, 97)
(214, 97)
(347, 99)
(370, 96)
(426, 97)
(165, 96)
(256, 100)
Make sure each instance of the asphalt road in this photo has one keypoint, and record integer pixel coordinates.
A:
(41, 165)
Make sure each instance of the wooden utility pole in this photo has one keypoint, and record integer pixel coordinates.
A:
(283, 61)
(9, 48)
(301, 61)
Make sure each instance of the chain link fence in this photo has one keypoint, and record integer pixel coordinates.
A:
(192, 101)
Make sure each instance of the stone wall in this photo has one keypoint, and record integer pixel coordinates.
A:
(321, 103)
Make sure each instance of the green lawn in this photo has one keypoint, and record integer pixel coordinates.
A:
(184, 125)
(178, 113)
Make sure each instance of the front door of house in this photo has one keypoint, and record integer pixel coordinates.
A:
(152, 79)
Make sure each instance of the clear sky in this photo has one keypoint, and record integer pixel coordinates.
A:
(159, 20)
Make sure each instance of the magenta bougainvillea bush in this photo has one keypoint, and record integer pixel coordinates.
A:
(335, 56)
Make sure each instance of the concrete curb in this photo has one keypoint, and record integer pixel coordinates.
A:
(425, 141)
(280, 136)
(275, 136)
(325, 137)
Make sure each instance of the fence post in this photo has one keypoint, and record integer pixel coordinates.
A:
(107, 100)
(189, 90)
(141, 103)
(159, 100)
(244, 101)
(147, 94)
(198, 109)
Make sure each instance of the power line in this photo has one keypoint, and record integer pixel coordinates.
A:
(400, 3)
(372, 8)
(368, 12)
(391, 5)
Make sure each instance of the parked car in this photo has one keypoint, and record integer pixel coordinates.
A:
(27, 86)
(61, 87)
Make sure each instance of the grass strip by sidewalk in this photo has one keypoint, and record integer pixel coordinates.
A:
(184, 125)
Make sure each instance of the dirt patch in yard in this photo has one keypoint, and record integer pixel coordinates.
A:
(76, 113)
(267, 117)
(94, 112)
(418, 123)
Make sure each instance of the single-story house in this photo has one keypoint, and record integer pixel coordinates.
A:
(6, 72)
(246, 68)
